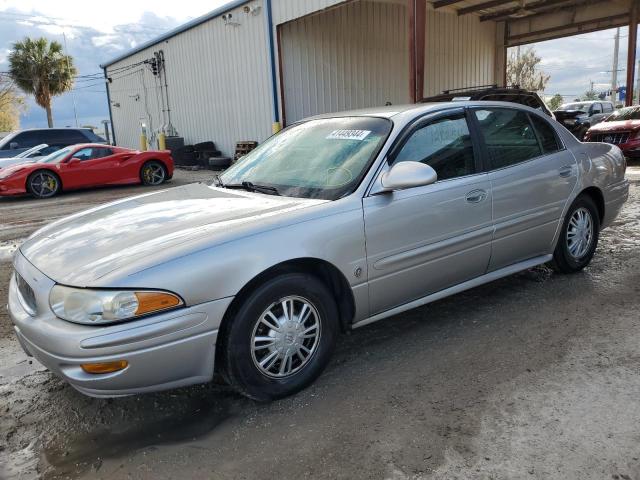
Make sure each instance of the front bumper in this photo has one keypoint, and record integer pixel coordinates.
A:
(168, 350)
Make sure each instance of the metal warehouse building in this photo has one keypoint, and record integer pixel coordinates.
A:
(231, 74)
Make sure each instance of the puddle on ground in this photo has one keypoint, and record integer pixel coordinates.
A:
(64, 456)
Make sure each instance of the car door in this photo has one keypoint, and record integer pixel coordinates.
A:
(94, 167)
(596, 114)
(532, 176)
(424, 239)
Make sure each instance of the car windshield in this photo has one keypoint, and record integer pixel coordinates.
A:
(575, 106)
(324, 158)
(632, 113)
(56, 157)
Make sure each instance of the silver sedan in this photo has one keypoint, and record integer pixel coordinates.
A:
(336, 222)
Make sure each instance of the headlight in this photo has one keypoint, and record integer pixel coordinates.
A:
(99, 307)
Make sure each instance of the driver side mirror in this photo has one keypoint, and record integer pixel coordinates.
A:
(405, 175)
(74, 160)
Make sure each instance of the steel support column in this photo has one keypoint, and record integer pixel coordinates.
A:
(417, 24)
(631, 51)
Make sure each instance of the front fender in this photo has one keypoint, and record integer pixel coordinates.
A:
(223, 270)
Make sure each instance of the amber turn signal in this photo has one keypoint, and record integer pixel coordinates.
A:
(106, 367)
(155, 301)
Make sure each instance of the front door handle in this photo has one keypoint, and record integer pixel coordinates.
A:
(476, 196)
(566, 171)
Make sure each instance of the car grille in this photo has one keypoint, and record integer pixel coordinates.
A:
(615, 138)
(26, 294)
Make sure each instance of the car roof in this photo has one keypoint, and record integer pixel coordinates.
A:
(419, 109)
(52, 128)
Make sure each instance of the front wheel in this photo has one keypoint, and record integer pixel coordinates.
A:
(153, 173)
(43, 184)
(579, 236)
(281, 337)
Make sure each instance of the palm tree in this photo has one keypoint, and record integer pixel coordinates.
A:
(41, 69)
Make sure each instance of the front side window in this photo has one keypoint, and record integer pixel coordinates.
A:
(84, 154)
(546, 134)
(324, 158)
(444, 144)
(508, 136)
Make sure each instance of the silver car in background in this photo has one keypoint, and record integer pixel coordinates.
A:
(336, 222)
(28, 156)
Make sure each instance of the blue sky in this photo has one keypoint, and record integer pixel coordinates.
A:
(96, 33)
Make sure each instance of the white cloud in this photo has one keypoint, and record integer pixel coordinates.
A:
(104, 17)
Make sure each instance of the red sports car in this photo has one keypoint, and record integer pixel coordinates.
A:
(621, 128)
(86, 165)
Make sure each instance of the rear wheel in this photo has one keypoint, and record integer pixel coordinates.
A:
(43, 184)
(153, 173)
(579, 236)
(281, 337)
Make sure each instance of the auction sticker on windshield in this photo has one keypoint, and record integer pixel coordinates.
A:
(348, 135)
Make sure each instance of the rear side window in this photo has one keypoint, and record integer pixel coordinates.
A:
(607, 107)
(92, 136)
(546, 135)
(508, 136)
(28, 139)
(444, 144)
(596, 108)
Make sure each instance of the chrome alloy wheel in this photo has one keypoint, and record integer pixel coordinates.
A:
(580, 233)
(44, 184)
(153, 174)
(285, 337)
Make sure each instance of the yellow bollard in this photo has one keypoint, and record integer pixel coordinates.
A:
(276, 127)
(162, 142)
(143, 142)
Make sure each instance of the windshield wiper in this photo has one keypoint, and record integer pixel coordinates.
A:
(254, 187)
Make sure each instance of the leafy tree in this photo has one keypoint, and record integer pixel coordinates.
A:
(590, 95)
(41, 69)
(11, 104)
(523, 71)
(555, 102)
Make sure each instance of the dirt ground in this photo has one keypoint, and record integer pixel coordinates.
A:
(532, 376)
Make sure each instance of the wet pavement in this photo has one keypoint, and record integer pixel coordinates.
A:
(532, 376)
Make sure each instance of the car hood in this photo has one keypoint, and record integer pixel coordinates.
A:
(617, 126)
(10, 162)
(567, 114)
(136, 233)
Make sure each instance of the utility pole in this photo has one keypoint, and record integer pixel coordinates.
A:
(638, 80)
(73, 93)
(614, 71)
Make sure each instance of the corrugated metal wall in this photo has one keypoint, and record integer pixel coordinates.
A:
(459, 52)
(350, 57)
(218, 84)
(285, 10)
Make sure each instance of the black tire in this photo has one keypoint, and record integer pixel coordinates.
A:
(153, 173)
(44, 184)
(240, 360)
(218, 163)
(204, 146)
(564, 261)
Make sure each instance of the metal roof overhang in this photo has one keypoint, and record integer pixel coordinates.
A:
(529, 21)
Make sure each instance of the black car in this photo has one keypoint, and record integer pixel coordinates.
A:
(18, 142)
(578, 117)
(495, 94)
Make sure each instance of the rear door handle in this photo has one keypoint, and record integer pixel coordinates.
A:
(476, 196)
(566, 171)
